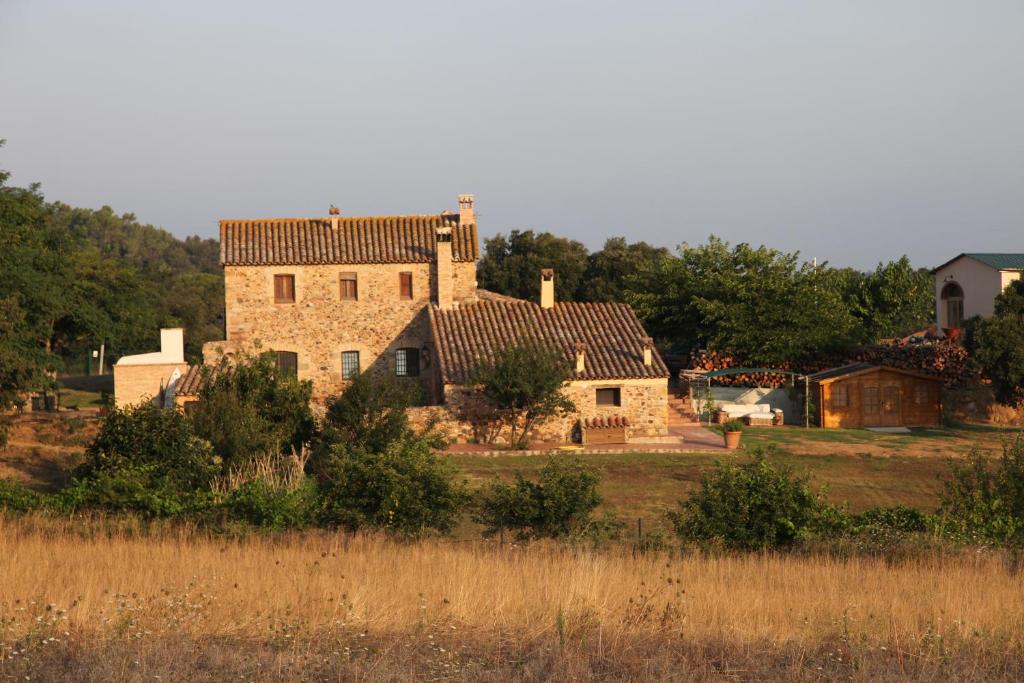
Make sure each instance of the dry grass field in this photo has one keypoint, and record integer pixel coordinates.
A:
(96, 603)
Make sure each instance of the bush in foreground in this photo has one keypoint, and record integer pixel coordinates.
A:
(755, 505)
(559, 504)
(984, 498)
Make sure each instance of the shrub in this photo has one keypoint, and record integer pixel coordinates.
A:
(984, 500)
(753, 506)
(16, 497)
(559, 504)
(406, 488)
(264, 505)
(523, 387)
(146, 459)
(248, 407)
(997, 344)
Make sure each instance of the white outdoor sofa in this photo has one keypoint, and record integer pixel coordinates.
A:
(751, 413)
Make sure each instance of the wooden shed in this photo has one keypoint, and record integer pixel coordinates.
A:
(865, 395)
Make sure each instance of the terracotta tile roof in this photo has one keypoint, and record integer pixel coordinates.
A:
(370, 239)
(189, 382)
(612, 335)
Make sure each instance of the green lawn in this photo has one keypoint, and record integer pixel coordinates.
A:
(862, 469)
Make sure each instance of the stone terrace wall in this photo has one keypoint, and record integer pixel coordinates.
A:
(644, 403)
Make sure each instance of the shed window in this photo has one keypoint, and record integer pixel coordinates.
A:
(405, 285)
(922, 393)
(871, 402)
(288, 363)
(349, 364)
(349, 287)
(407, 362)
(284, 289)
(609, 397)
(839, 397)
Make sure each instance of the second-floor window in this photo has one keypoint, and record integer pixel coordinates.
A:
(284, 289)
(405, 285)
(349, 364)
(349, 287)
(407, 362)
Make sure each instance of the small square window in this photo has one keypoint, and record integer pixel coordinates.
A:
(609, 397)
(349, 287)
(405, 285)
(407, 362)
(284, 289)
(349, 364)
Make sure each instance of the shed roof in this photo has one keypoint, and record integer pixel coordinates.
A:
(346, 239)
(1006, 261)
(853, 369)
(611, 334)
(190, 382)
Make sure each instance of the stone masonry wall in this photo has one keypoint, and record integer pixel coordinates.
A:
(319, 325)
(134, 384)
(644, 403)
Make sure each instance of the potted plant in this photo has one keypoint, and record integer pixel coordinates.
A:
(732, 431)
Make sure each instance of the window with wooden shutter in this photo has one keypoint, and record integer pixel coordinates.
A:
(288, 363)
(407, 362)
(284, 289)
(609, 397)
(349, 287)
(405, 285)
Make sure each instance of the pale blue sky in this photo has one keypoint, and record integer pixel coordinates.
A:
(852, 131)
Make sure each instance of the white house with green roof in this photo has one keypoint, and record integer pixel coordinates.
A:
(968, 284)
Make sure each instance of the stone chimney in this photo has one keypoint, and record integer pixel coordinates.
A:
(334, 212)
(581, 357)
(466, 215)
(547, 288)
(648, 351)
(445, 274)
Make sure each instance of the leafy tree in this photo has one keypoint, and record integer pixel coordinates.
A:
(984, 499)
(895, 300)
(522, 385)
(370, 414)
(560, 503)
(405, 489)
(761, 304)
(145, 459)
(755, 505)
(511, 265)
(247, 407)
(609, 269)
(997, 344)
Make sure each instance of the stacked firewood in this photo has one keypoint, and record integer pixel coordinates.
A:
(944, 359)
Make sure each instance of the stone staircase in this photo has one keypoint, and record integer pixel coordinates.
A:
(680, 410)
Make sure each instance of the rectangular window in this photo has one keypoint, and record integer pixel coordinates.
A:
(871, 402)
(349, 364)
(609, 397)
(405, 285)
(839, 397)
(288, 363)
(922, 392)
(284, 289)
(407, 362)
(349, 287)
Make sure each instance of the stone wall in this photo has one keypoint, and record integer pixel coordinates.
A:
(134, 384)
(319, 325)
(644, 403)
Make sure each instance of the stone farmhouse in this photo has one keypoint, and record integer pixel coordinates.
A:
(337, 296)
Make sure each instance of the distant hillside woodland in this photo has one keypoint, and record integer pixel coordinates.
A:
(75, 278)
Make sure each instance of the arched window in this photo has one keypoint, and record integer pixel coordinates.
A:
(953, 296)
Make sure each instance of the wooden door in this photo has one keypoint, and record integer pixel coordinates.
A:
(871, 405)
(890, 413)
